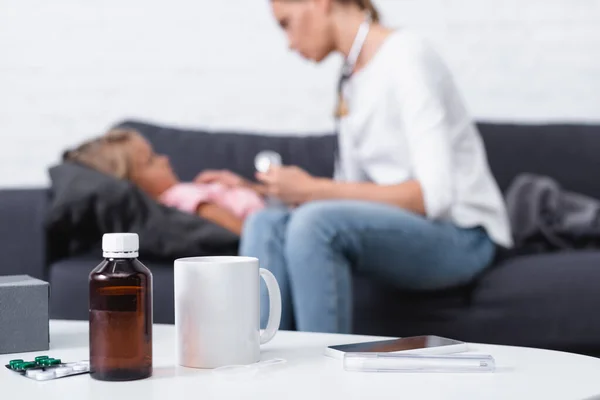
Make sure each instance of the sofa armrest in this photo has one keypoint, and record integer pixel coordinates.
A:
(22, 232)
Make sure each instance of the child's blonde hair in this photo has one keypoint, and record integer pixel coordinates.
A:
(107, 153)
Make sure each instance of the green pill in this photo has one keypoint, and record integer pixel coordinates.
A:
(12, 363)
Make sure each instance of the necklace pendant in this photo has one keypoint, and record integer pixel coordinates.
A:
(342, 108)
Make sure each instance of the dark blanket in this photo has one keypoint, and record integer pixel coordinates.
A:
(86, 204)
(546, 217)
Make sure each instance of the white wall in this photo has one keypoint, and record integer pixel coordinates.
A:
(70, 68)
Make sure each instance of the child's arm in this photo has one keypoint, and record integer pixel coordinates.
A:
(220, 216)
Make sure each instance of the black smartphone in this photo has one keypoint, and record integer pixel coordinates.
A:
(415, 345)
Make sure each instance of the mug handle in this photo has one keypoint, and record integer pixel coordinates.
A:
(274, 306)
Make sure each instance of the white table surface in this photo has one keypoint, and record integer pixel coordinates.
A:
(522, 373)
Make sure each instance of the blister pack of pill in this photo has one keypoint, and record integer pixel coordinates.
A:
(44, 368)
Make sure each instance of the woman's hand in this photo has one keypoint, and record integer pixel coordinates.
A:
(229, 179)
(224, 177)
(292, 185)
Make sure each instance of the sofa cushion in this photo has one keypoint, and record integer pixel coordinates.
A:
(566, 152)
(562, 151)
(23, 244)
(540, 301)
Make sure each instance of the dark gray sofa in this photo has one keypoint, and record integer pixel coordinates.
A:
(540, 300)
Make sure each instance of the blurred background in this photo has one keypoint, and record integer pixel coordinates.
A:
(71, 68)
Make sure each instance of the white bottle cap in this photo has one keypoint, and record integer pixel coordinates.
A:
(267, 159)
(120, 245)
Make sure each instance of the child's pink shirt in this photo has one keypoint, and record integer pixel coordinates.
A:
(187, 197)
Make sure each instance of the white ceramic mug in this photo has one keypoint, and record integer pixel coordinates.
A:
(217, 311)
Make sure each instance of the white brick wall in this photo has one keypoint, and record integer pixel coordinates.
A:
(70, 68)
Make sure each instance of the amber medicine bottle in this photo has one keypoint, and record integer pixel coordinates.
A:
(120, 312)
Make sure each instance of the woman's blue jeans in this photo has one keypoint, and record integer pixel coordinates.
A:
(313, 251)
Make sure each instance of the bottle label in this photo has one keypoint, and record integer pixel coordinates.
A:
(117, 298)
(116, 314)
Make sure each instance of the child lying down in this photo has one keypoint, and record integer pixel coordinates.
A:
(126, 154)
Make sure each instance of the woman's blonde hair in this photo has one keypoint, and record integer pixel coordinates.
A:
(107, 153)
(366, 5)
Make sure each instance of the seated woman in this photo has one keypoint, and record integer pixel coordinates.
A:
(126, 154)
(412, 202)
